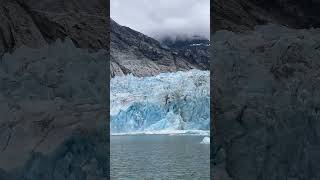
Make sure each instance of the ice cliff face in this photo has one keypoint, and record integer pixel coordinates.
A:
(166, 102)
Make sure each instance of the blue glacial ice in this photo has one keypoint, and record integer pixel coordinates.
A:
(166, 103)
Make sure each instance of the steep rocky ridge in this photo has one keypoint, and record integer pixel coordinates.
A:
(179, 42)
(195, 49)
(135, 53)
(266, 104)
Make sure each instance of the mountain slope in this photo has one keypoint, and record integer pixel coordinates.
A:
(135, 53)
(195, 49)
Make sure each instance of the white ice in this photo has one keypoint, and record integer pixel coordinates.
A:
(206, 140)
(169, 103)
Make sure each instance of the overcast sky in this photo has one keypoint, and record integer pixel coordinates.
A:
(157, 18)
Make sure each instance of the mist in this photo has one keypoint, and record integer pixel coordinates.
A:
(165, 18)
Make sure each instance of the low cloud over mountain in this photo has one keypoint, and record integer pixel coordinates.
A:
(164, 18)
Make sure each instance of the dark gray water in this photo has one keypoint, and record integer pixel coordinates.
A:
(140, 157)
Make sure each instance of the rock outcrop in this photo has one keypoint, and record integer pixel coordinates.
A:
(135, 53)
(266, 91)
(194, 49)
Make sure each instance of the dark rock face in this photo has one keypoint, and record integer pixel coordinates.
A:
(53, 113)
(196, 54)
(194, 49)
(180, 42)
(36, 23)
(266, 90)
(135, 53)
(241, 15)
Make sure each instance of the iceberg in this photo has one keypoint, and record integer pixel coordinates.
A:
(168, 102)
(206, 140)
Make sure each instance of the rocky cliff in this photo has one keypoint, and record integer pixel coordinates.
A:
(266, 91)
(135, 53)
(195, 49)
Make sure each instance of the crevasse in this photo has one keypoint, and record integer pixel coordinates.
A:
(168, 102)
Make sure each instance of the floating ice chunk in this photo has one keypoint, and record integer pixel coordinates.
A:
(206, 140)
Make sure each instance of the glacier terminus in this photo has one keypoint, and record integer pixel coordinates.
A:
(168, 103)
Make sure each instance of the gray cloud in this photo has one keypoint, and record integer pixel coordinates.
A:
(158, 18)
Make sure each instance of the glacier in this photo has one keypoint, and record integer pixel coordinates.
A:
(167, 103)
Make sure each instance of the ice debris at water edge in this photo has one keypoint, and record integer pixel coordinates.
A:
(168, 103)
(206, 140)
